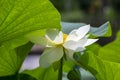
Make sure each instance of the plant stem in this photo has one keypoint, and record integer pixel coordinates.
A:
(60, 70)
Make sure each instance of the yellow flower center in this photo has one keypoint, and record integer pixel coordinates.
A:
(64, 37)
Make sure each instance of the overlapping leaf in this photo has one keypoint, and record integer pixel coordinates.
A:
(11, 59)
(105, 65)
(101, 69)
(103, 30)
(43, 73)
(18, 17)
(111, 51)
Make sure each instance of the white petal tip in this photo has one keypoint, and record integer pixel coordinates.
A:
(91, 41)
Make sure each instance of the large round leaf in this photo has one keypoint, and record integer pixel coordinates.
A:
(18, 17)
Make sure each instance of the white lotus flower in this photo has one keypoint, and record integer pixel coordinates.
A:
(56, 42)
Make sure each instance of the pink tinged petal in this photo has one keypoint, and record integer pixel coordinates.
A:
(90, 41)
(75, 45)
(77, 34)
(51, 55)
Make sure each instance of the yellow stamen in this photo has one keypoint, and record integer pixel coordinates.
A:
(64, 37)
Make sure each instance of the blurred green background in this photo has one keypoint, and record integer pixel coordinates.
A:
(93, 12)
